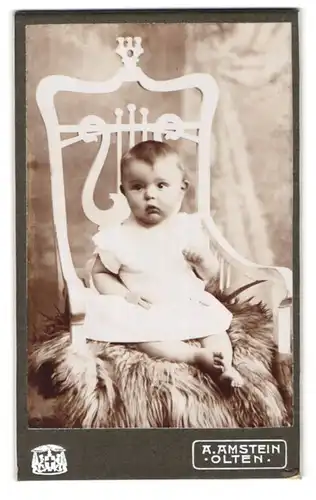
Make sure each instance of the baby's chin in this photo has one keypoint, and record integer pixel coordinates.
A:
(152, 218)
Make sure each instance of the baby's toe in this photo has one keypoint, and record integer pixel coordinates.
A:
(219, 366)
(237, 381)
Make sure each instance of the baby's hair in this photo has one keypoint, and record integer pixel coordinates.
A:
(149, 152)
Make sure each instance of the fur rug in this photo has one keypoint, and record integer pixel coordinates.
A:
(112, 385)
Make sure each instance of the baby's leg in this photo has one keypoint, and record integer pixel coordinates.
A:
(221, 348)
(180, 352)
(176, 351)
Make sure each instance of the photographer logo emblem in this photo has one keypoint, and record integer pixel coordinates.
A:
(49, 460)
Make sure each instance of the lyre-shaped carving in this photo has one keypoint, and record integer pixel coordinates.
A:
(144, 114)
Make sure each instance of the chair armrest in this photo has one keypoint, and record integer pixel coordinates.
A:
(77, 295)
(252, 270)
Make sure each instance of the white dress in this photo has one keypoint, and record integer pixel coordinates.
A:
(150, 263)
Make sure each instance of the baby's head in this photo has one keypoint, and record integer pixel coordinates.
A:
(153, 181)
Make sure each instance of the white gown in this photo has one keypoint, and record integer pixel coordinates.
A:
(150, 263)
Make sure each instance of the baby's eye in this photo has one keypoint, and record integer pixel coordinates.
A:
(137, 187)
(162, 185)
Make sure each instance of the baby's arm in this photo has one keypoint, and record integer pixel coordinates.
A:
(105, 282)
(108, 283)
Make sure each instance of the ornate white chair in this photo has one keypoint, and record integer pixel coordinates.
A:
(168, 126)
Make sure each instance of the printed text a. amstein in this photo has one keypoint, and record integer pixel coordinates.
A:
(239, 454)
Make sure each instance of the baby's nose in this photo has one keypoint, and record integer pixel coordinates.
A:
(150, 193)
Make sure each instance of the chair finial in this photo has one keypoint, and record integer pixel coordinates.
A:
(129, 49)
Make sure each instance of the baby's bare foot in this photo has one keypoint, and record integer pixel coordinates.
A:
(214, 365)
(232, 376)
(209, 362)
(218, 360)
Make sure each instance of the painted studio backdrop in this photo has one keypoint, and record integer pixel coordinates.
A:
(252, 133)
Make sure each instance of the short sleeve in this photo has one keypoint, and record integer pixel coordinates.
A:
(196, 235)
(107, 247)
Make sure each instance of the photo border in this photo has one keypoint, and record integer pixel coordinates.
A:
(141, 453)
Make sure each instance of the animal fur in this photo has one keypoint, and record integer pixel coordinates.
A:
(111, 385)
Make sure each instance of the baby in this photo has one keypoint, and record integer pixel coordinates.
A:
(151, 270)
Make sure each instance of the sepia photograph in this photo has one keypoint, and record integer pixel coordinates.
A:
(159, 225)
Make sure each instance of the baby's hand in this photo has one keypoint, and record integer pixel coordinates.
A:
(204, 262)
(135, 298)
(193, 257)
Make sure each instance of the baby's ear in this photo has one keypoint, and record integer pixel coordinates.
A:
(122, 189)
(185, 185)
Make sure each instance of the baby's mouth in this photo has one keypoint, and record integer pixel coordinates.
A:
(151, 209)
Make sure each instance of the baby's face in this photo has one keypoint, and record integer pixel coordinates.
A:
(154, 193)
